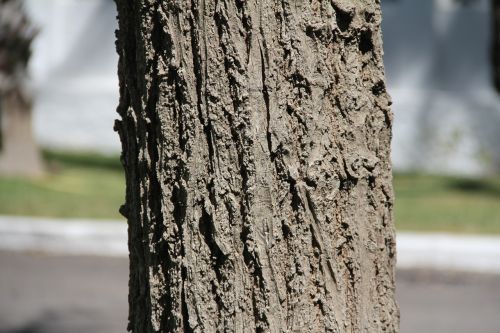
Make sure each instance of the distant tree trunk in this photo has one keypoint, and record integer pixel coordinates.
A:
(18, 151)
(256, 141)
(496, 43)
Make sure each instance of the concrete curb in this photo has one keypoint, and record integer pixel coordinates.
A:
(447, 251)
(64, 236)
(109, 238)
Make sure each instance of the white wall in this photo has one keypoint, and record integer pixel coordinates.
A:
(447, 116)
(74, 68)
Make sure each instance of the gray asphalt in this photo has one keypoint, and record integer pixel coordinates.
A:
(56, 294)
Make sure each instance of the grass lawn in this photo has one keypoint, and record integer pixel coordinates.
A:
(77, 185)
(448, 204)
(92, 185)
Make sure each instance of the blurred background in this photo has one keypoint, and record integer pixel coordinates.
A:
(63, 254)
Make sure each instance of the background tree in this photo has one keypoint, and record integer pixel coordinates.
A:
(495, 7)
(18, 151)
(256, 141)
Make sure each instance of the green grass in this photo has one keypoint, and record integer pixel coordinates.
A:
(447, 204)
(91, 185)
(76, 185)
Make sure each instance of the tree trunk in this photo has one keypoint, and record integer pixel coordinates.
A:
(19, 154)
(256, 143)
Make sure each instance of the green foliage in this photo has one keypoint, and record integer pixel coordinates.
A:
(90, 160)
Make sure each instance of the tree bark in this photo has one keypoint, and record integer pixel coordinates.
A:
(256, 144)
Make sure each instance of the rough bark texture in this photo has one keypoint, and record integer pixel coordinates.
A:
(256, 143)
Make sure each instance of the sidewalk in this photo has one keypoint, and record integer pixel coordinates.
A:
(109, 238)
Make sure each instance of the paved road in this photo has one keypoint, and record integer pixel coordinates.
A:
(55, 294)
(42, 294)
